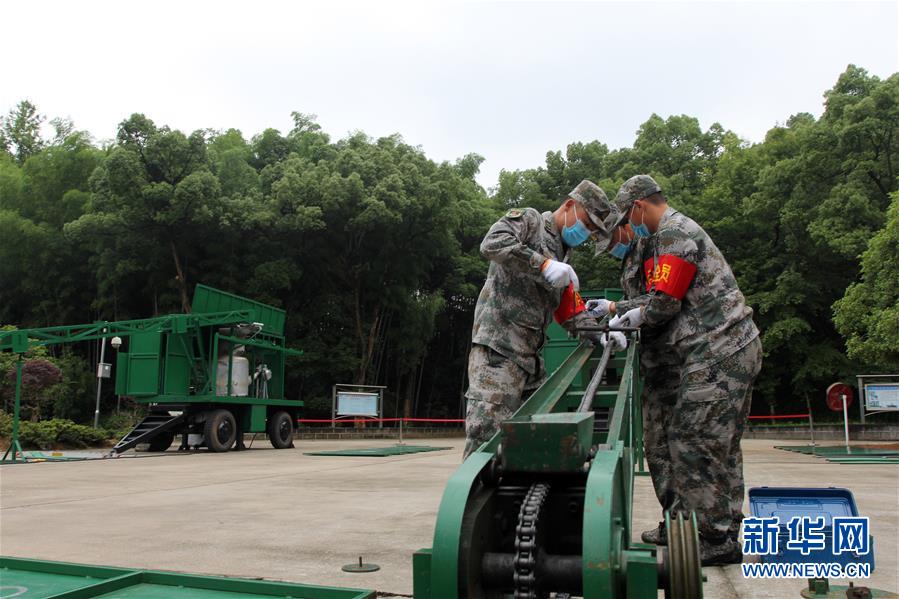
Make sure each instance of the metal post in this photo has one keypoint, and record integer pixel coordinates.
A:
(845, 421)
(401, 432)
(230, 361)
(811, 423)
(861, 398)
(100, 380)
(14, 446)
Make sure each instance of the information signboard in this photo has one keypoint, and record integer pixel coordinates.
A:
(355, 403)
(882, 396)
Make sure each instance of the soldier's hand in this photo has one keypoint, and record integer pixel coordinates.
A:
(631, 318)
(598, 308)
(617, 339)
(559, 275)
(594, 337)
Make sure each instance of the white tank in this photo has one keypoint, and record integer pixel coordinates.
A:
(240, 377)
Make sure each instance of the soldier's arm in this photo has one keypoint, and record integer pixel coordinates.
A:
(631, 279)
(677, 260)
(623, 305)
(505, 242)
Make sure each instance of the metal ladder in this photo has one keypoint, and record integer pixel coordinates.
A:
(156, 422)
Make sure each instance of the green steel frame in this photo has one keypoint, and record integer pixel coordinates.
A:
(180, 363)
(61, 580)
(612, 566)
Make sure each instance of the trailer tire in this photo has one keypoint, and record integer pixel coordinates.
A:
(220, 430)
(162, 441)
(280, 430)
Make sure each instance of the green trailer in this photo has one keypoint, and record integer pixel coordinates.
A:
(36, 579)
(210, 375)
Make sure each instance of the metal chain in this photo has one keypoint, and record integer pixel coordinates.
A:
(526, 542)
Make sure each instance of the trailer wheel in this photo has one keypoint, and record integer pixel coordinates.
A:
(162, 441)
(280, 430)
(220, 430)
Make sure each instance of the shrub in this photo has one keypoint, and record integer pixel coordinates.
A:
(49, 433)
(5, 424)
(38, 376)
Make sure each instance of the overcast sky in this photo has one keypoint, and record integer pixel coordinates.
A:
(508, 80)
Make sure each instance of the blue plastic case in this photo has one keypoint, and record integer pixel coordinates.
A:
(788, 502)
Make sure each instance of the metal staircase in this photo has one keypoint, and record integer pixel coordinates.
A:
(157, 422)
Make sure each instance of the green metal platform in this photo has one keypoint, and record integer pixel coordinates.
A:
(378, 451)
(838, 450)
(872, 459)
(840, 454)
(35, 579)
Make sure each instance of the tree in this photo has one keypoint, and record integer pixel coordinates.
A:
(38, 377)
(155, 202)
(868, 314)
(22, 131)
(372, 247)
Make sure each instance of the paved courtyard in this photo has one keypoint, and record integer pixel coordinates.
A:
(283, 515)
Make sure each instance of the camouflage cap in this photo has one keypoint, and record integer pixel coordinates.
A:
(603, 236)
(598, 207)
(594, 201)
(635, 188)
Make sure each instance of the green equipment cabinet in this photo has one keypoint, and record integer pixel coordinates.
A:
(210, 376)
(545, 506)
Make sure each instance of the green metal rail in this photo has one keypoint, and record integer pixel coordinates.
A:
(21, 340)
(35, 579)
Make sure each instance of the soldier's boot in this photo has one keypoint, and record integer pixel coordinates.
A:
(656, 536)
(719, 552)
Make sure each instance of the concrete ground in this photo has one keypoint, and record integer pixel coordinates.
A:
(283, 515)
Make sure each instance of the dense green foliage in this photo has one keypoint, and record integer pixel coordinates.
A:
(792, 215)
(56, 433)
(371, 246)
(869, 313)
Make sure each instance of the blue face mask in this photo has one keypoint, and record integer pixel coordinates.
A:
(621, 250)
(641, 230)
(576, 234)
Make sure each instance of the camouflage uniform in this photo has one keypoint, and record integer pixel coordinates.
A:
(659, 369)
(704, 439)
(707, 327)
(514, 309)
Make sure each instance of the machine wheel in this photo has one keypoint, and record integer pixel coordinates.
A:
(280, 430)
(162, 441)
(684, 568)
(220, 430)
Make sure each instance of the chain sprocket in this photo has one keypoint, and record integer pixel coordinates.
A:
(526, 543)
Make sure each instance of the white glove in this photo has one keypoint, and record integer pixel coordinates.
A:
(617, 339)
(558, 274)
(631, 318)
(598, 308)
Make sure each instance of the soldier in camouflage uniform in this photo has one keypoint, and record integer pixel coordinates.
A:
(528, 276)
(656, 365)
(695, 311)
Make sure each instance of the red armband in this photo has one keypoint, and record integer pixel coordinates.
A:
(672, 275)
(570, 305)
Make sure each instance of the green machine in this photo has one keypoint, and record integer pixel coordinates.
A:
(210, 375)
(544, 508)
